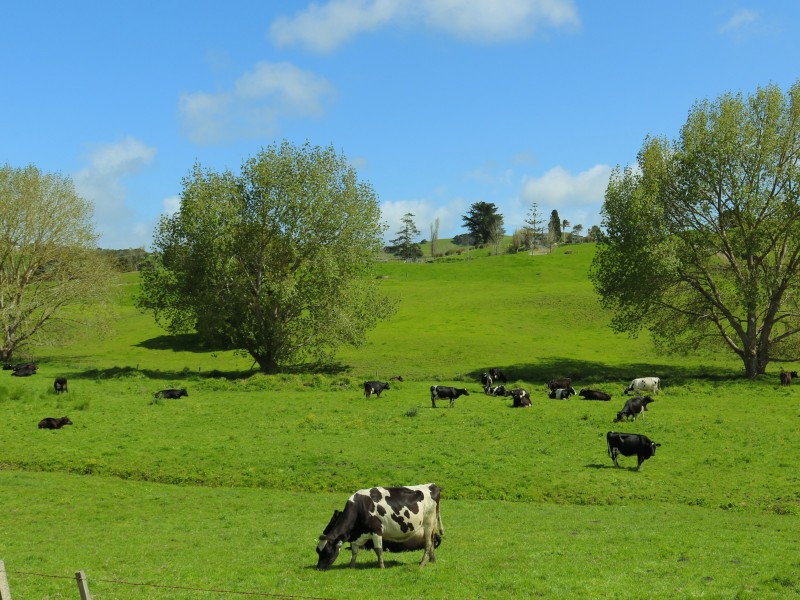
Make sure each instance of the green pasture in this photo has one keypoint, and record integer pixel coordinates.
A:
(229, 488)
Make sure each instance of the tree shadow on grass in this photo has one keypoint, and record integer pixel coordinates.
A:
(180, 342)
(585, 373)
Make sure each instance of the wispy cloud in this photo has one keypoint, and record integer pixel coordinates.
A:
(740, 21)
(255, 105)
(101, 182)
(323, 27)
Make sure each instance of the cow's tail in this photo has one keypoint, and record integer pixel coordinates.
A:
(608, 444)
(439, 525)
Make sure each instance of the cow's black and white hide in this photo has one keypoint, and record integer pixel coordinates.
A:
(443, 392)
(375, 387)
(633, 408)
(396, 519)
(561, 393)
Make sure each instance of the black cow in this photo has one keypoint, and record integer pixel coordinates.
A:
(588, 394)
(443, 392)
(396, 519)
(497, 375)
(396, 378)
(786, 377)
(54, 423)
(375, 387)
(60, 385)
(10, 367)
(561, 393)
(629, 444)
(633, 407)
(563, 383)
(171, 393)
(521, 398)
(24, 371)
(498, 390)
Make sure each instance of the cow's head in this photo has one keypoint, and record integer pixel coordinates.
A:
(328, 550)
(652, 448)
(182, 392)
(620, 415)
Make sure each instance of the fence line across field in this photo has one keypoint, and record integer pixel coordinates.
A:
(85, 594)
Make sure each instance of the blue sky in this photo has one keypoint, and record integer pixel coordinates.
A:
(437, 103)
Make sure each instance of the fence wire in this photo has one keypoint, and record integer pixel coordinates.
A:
(170, 587)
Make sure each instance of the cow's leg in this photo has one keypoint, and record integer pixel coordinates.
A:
(639, 464)
(614, 453)
(377, 541)
(433, 401)
(452, 402)
(354, 549)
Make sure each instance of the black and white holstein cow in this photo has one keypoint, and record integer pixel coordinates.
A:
(497, 375)
(443, 392)
(521, 398)
(588, 394)
(60, 385)
(630, 444)
(375, 387)
(561, 393)
(498, 390)
(633, 407)
(644, 384)
(395, 519)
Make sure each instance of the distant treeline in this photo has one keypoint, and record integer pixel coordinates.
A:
(126, 260)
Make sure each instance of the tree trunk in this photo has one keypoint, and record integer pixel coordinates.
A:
(266, 362)
(755, 362)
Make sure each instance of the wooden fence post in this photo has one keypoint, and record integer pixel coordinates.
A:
(83, 585)
(5, 591)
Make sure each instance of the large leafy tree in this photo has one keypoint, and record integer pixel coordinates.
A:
(49, 263)
(271, 261)
(484, 223)
(404, 245)
(702, 244)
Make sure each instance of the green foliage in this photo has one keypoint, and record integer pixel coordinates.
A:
(404, 245)
(271, 262)
(484, 223)
(48, 260)
(701, 244)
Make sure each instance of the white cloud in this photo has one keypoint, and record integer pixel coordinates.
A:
(740, 20)
(102, 183)
(255, 105)
(172, 204)
(425, 213)
(323, 27)
(577, 197)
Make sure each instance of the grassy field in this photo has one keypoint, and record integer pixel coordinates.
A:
(229, 488)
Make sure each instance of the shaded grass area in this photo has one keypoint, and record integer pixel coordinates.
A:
(263, 541)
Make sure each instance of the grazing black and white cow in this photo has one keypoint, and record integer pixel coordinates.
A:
(630, 444)
(563, 383)
(644, 384)
(633, 407)
(60, 385)
(497, 375)
(54, 423)
(561, 393)
(171, 393)
(588, 394)
(375, 387)
(786, 377)
(24, 371)
(395, 518)
(498, 390)
(443, 392)
(520, 398)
